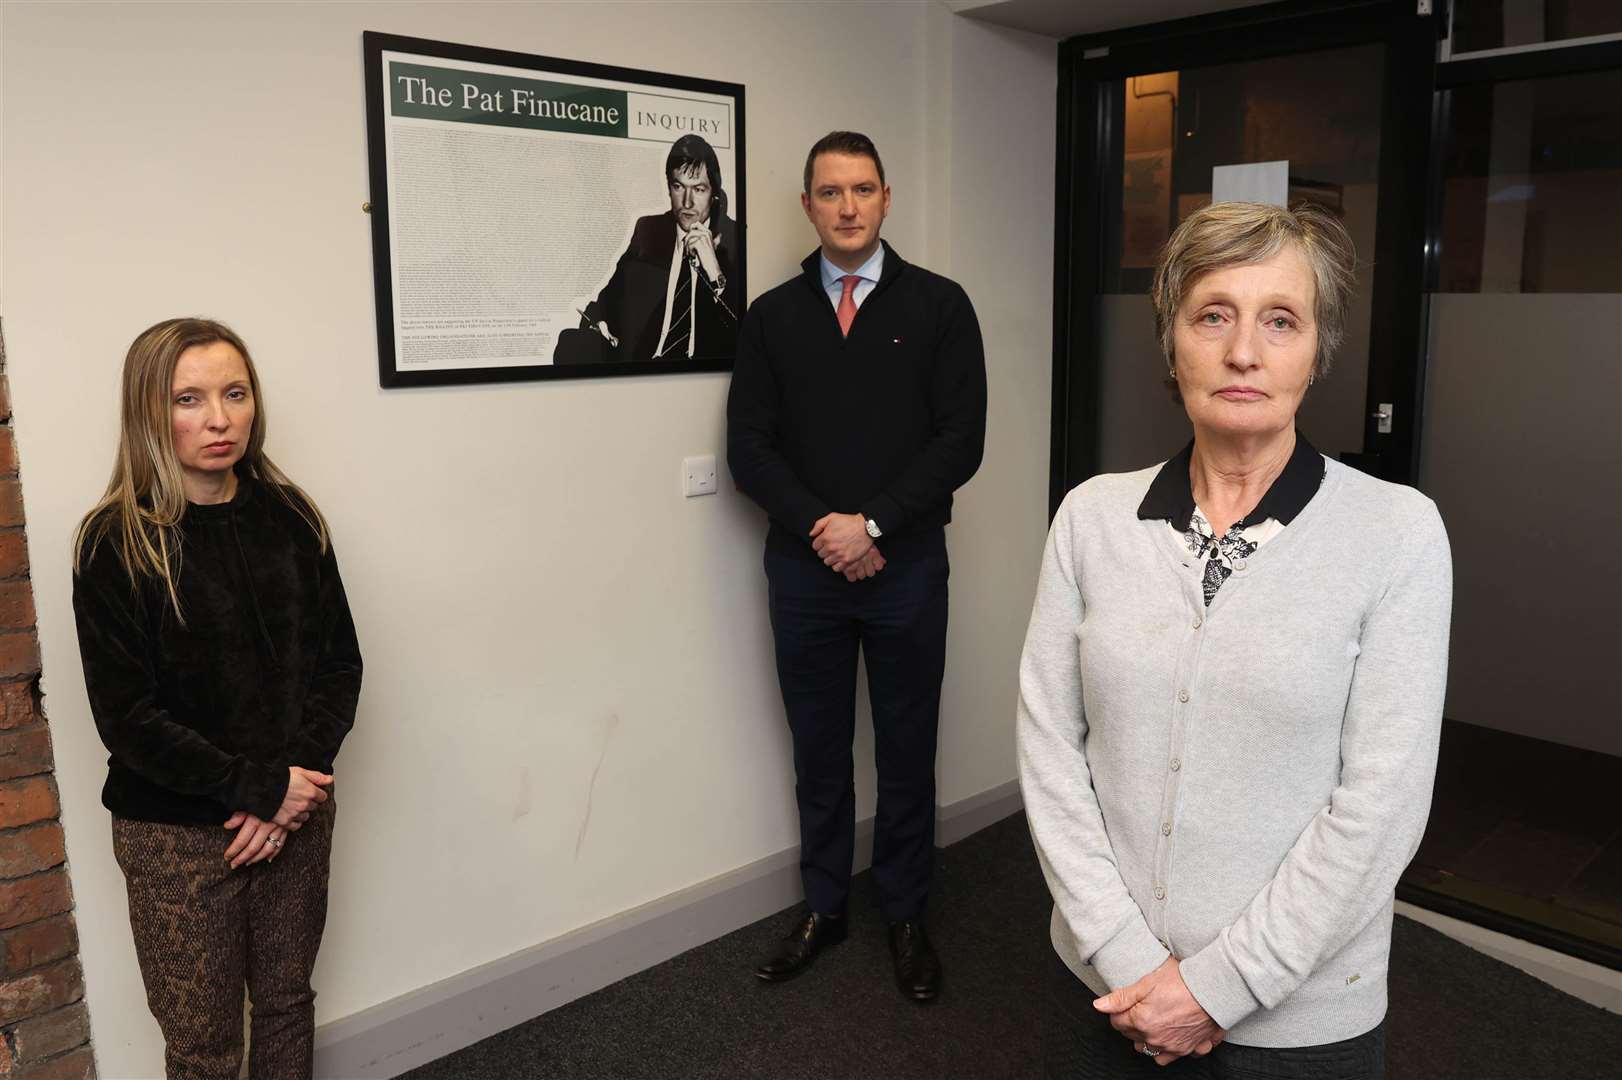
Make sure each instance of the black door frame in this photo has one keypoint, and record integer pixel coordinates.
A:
(1089, 65)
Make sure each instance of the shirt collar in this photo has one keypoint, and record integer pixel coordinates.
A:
(1171, 494)
(870, 270)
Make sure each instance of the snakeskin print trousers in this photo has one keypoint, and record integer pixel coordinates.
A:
(204, 933)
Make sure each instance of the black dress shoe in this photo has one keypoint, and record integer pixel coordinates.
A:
(917, 968)
(795, 952)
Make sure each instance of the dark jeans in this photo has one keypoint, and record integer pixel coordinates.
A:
(204, 933)
(1079, 1044)
(897, 620)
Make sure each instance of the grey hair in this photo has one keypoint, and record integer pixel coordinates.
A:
(1238, 233)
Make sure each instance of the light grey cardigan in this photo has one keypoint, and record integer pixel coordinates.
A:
(1239, 785)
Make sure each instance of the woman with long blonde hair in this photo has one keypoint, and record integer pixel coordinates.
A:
(223, 672)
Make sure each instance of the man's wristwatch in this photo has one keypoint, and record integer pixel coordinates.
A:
(873, 529)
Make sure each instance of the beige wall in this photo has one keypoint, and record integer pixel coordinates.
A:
(538, 605)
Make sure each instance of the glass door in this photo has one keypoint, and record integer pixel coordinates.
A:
(1521, 451)
(1332, 104)
(1480, 175)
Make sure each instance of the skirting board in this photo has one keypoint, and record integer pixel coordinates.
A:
(1592, 983)
(424, 1025)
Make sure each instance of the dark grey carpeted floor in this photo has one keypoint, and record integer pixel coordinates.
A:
(1454, 1012)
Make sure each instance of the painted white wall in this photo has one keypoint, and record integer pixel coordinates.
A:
(537, 603)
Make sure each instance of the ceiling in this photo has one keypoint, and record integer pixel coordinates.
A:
(1067, 18)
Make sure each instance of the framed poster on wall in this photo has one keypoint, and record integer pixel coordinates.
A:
(537, 218)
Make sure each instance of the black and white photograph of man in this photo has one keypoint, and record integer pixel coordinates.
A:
(675, 293)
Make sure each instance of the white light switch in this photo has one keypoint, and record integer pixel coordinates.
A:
(698, 475)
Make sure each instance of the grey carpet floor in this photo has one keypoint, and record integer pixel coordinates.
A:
(1455, 1014)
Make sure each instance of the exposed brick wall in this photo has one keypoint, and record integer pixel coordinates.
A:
(44, 1026)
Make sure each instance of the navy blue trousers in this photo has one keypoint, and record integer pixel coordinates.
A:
(897, 621)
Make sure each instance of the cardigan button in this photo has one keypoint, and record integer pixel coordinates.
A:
(1182, 695)
(1160, 893)
(1176, 764)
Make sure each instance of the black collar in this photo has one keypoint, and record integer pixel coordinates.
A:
(1171, 495)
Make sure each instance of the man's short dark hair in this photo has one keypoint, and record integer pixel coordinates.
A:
(689, 152)
(853, 143)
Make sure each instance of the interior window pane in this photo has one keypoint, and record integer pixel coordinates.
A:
(1532, 198)
(1522, 455)
(1318, 111)
(1498, 24)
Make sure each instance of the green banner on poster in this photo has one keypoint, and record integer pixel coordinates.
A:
(478, 97)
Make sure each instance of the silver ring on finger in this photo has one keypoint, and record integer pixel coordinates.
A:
(274, 841)
(1150, 1051)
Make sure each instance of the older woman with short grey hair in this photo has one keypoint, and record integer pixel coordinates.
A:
(1231, 694)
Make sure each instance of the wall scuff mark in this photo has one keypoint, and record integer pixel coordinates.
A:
(591, 788)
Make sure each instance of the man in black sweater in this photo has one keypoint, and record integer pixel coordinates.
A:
(858, 405)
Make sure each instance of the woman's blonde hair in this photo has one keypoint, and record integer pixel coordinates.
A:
(145, 500)
(1237, 233)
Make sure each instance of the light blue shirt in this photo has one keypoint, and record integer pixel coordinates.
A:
(869, 273)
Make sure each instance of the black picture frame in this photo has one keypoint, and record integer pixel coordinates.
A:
(391, 374)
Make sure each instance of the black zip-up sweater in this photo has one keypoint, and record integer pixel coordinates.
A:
(887, 422)
(204, 719)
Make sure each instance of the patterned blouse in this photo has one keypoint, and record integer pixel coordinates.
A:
(1171, 498)
(1225, 554)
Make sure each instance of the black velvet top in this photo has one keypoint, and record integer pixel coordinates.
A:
(203, 719)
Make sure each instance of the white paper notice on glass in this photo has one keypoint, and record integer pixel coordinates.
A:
(1262, 182)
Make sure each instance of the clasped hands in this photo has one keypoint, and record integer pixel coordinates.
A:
(700, 244)
(841, 541)
(1158, 1011)
(258, 839)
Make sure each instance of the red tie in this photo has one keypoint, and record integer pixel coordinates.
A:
(847, 304)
